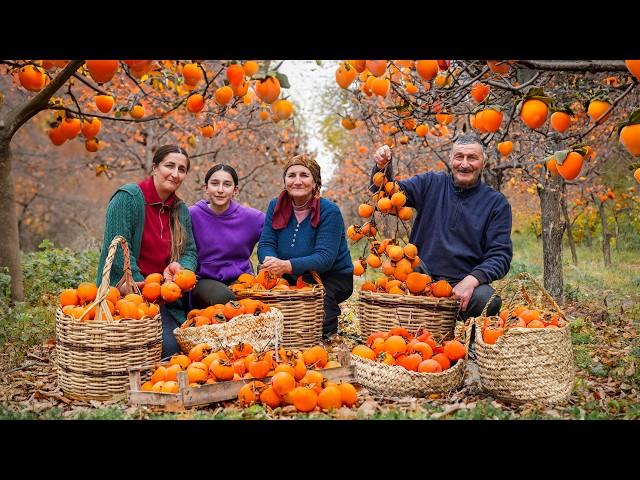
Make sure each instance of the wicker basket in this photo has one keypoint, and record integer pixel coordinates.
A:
(302, 310)
(394, 381)
(93, 357)
(261, 331)
(527, 364)
(380, 312)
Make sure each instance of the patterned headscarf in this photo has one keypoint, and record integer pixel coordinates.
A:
(284, 206)
(309, 162)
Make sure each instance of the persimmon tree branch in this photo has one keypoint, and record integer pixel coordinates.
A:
(576, 65)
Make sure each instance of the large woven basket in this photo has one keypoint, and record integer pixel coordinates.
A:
(394, 381)
(302, 310)
(527, 364)
(261, 331)
(93, 356)
(380, 312)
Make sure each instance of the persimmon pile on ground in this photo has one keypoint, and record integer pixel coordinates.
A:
(519, 317)
(418, 353)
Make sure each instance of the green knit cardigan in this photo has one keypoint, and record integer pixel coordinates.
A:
(125, 216)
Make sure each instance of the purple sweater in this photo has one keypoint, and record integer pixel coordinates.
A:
(225, 242)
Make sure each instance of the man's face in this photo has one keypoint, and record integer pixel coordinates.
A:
(467, 162)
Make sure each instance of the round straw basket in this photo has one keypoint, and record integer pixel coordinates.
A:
(527, 364)
(93, 356)
(261, 331)
(394, 381)
(302, 311)
(380, 312)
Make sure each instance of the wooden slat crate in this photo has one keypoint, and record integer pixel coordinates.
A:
(217, 392)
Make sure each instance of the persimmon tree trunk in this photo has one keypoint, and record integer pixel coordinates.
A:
(587, 229)
(552, 232)
(10, 123)
(572, 243)
(10, 244)
(606, 235)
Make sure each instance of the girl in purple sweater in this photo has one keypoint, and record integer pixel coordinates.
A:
(225, 233)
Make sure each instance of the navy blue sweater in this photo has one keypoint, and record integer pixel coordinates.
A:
(459, 232)
(322, 249)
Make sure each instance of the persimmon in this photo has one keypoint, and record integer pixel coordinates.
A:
(427, 69)
(315, 355)
(258, 368)
(192, 74)
(137, 112)
(57, 136)
(270, 397)
(282, 109)
(490, 119)
(157, 387)
(304, 399)
(441, 288)
(490, 335)
(267, 279)
(87, 292)
(535, 324)
(283, 383)
(364, 352)
(444, 118)
(159, 374)
(69, 296)
(596, 110)
(345, 75)
(454, 350)
(232, 309)
(104, 103)
(398, 199)
(199, 351)
(250, 68)
(630, 138)
(422, 348)
(479, 91)
(223, 95)
(411, 361)
(417, 282)
(395, 345)
(197, 372)
(634, 67)
(571, 166)
(552, 165)
(380, 86)
(151, 291)
(534, 113)
(365, 210)
(185, 279)
(348, 394)
(429, 366)
(374, 260)
(223, 372)
(560, 121)
(170, 292)
(71, 127)
(268, 90)
(498, 66)
(443, 360)
(195, 103)
(636, 175)
(180, 359)
(505, 148)
(330, 397)
(32, 78)
(102, 70)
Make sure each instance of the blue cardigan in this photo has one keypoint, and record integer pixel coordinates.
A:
(459, 232)
(322, 249)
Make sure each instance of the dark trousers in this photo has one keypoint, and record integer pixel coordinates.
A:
(209, 292)
(337, 288)
(169, 324)
(479, 299)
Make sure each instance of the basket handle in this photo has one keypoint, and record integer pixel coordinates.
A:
(316, 277)
(102, 309)
(545, 294)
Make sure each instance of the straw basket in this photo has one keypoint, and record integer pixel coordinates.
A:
(93, 356)
(302, 310)
(261, 331)
(394, 381)
(380, 312)
(527, 364)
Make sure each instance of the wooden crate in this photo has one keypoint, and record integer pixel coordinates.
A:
(217, 392)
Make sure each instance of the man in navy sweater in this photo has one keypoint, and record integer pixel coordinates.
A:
(462, 227)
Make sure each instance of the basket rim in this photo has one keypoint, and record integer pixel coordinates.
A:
(416, 299)
(235, 320)
(411, 373)
(103, 320)
(515, 331)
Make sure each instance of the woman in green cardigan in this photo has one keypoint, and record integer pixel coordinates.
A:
(157, 226)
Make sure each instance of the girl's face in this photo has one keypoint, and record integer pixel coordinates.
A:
(220, 189)
(169, 174)
(299, 183)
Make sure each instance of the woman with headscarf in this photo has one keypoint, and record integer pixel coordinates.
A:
(303, 233)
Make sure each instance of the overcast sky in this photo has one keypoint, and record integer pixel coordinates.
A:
(307, 78)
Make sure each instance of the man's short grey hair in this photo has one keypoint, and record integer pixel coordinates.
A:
(468, 139)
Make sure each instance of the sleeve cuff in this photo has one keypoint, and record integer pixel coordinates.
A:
(480, 276)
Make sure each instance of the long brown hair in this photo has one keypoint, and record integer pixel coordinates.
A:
(178, 235)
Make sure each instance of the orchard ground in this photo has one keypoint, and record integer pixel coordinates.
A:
(604, 305)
